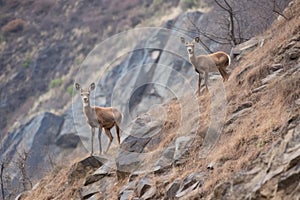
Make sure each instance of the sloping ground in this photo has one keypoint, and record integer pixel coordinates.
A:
(43, 42)
(256, 156)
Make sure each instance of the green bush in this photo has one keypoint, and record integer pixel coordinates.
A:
(26, 63)
(70, 90)
(55, 83)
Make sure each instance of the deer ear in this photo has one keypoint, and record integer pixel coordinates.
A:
(77, 86)
(182, 40)
(197, 39)
(92, 86)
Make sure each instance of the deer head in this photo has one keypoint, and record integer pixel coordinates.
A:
(190, 46)
(85, 93)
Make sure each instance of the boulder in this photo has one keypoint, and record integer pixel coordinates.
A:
(245, 46)
(86, 166)
(166, 160)
(68, 137)
(132, 151)
(182, 145)
(173, 188)
(190, 183)
(107, 169)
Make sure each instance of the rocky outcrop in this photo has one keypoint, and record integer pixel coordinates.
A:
(275, 178)
(36, 138)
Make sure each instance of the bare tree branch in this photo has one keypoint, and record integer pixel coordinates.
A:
(275, 6)
(1, 179)
(21, 162)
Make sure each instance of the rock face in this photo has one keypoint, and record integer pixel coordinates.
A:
(277, 177)
(157, 145)
(28, 152)
(35, 138)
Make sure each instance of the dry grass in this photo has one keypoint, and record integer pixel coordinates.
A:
(241, 142)
(55, 186)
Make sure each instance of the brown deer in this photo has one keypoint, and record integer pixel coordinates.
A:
(204, 63)
(99, 117)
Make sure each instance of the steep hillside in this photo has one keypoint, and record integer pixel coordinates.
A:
(174, 151)
(43, 42)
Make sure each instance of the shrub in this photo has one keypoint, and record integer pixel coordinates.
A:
(55, 83)
(26, 63)
(70, 90)
(13, 26)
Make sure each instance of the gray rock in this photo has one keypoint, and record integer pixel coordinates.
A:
(37, 137)
(99, 187)
(294, 54)
(134, 144)
(173, 188)
(277, 177)
(132, 150)
(165, 160)
(128, 161)
(107, 169)
(142, 186)
(190, 183)
(246, 46)
(68, 137)
(127, 194)
(181, 148)
(149, 194)
(68, 140)
(84, 167)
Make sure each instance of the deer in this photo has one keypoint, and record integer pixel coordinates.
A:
(99, 117)
(204, 63)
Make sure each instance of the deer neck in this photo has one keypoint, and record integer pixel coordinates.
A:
(88, 111)
(192, 58)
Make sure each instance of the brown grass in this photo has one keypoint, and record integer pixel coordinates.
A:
(55, 186)
(240, 143)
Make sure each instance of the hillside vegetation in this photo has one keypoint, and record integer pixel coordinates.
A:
(257, 155)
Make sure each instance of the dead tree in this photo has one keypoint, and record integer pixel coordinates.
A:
(21, 163)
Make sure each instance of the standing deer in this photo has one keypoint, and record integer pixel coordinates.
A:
(204, 63)
(99, 117)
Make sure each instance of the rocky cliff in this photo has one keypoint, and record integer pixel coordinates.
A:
(174, 145)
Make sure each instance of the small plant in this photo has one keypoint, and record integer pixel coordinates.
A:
(55, 83)
(70, 90)
(261, 143)
(26, 62)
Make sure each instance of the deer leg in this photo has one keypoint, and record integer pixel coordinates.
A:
(92, 139)
(223, 73)
(205, 81)
(99, 138)
(110, 137)
(118, 132)
(199, 84)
